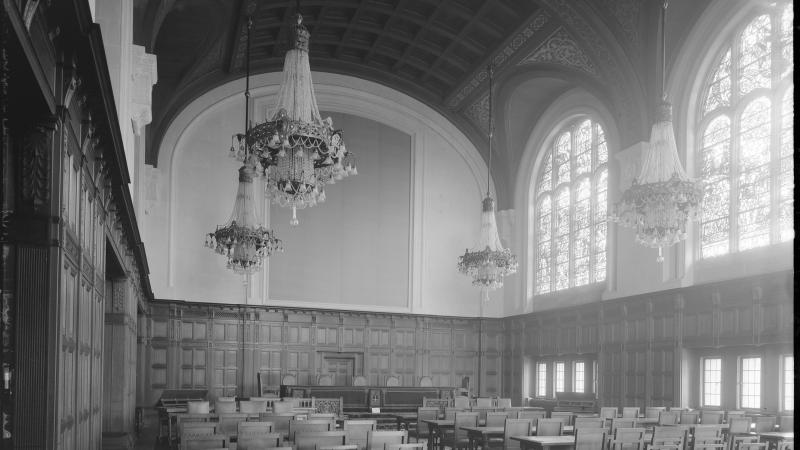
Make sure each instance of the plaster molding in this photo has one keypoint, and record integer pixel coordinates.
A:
(144, 75)
(561, 48)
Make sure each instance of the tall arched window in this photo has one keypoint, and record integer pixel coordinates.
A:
(745, 136)
(571, 203)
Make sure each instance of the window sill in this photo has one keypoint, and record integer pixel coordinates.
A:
(757, 261)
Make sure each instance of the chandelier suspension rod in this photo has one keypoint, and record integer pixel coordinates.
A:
(490, 68)
(247, 90)
(664, 50)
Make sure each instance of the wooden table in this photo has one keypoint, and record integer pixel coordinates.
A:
(436, 427)
(566, 429)
(545, 442)
(404, 420)
(482, 435)
(774, 438)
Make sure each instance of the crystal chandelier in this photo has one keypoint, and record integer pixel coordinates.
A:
(300, 152)
(243, 239)
(488, 262)
(663, 198)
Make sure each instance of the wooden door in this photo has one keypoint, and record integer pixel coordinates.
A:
(341, 369)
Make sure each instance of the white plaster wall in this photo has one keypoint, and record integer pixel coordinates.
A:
(195, 186)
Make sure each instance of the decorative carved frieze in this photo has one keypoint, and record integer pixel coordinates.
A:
(478, 113)
(561, 48)
(35, 167)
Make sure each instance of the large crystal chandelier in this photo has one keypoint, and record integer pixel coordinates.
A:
(488, 262)
(663, 198)
(243, 239)
(300, 152)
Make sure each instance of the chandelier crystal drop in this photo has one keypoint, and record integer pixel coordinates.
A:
(662, 199)
(299, 151)
(488, 263)
(243, 240)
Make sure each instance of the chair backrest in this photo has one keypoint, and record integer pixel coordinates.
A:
(282, 407)
(564, 416)
(425, 413)
(197, 428)
(461, 420)
(549, 427)
(441, 403)
(289, 380)
(628, 437)
(690, 417)
(417, 446)
(589, 422)
(590, 438)
(252, 406)
(483, 402)
(337, 447)
(251, 440)
(532, 415)
(310, 441)
(226, 399)
(669, 436)
(621, 422)
(733, 413)
(325, 380)
(357, 431)
(426, 381)
(334, 406)
(765, 424)
(481, 413)
(378, 439)
(198, 407)
(711, 417)
(513, 413)
(280, 422)
(229, 423)
(302, 402)
(255, 427)
(450, 413)
(224, 407)
(630, 411)
(461, 402)
(309, 426)
(707, 434)
(651, 412)
(667, 418)
(203, 441)
(738, 425)
(503, 403)
(496, 419)
(321, 416)
(787, 424)
(516, 427)
(608, 412)
(392, 380)
(359, 380)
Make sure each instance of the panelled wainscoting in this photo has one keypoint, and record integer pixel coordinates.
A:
(222, 348)
(648, 348)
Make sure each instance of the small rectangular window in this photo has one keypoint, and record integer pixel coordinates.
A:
(788, 383)
(560, 375)
(541, 379)
(712, 381)
(580, 377)
(750, 376)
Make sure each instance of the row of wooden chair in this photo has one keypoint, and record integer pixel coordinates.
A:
(336, 440)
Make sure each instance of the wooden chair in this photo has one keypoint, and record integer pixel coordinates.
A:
(484, 402)
(621, 422)
(513, 412)
(630, 411)
(608, 412)
(564, 416)
(459, 438)
(224, 407)
(651, 412)
(765, 424)
(749, 443)
(312, 440)
(733, 413)
(425, 381)
(549, 427)
(515, 427)
(690, 417)
(450, 413)
(203, 441)
(356, 431)
(667, 418)
(252, 406)
(229, 424)
(786, 424)
(738, 431)
(392, 381)
(422, 430)
(627, 438)
(708, 437)
(590, 438)
(481, 414)
(711, 417)
(359, 380)
(204, 427)
(503, 403)
(309, 426)
(256, 440)
(289, 380)
(338, 447)
(496, 419)
(667, 438)
(589, 422)
(461, 402)
(198, 407)
(255, 427)
(532, 415)
(280, 422)
(378, 439)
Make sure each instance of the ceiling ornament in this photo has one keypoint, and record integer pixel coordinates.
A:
(478, 113)
(488, 262)
(663, 198)
(512, 46)
(561, 48)
(298, 150)
(243, 239)
(626, 13)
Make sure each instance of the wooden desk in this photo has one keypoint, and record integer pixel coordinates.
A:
(436, 427)
(774, 438)
(482, 435)
(545, 442)
(404, 420)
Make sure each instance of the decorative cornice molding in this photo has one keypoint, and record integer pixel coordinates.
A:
(561, 48)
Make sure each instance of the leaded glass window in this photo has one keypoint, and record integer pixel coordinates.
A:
(571, 204)
(746, 138)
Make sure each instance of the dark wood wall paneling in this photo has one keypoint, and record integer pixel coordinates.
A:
(222, 348)
(644, 343)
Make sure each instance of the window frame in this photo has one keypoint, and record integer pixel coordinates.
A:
(575, 384)
(780, 85)
(783, 382)
(740, 382)
(563, 365)
(703, 381)
(541, 385)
